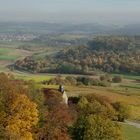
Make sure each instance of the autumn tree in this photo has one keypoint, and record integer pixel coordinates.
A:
(117, 79)
(95, 120)
(17, 113)
(56, 117)
(95, 127)
(123, 110)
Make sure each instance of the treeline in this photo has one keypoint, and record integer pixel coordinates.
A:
(29, 113)
(104, 80)
(109, 54)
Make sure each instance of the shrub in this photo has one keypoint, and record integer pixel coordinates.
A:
(94, 127)
(122, 110)
(56, 81)
(117, 79)
(71, 80)
(104, 84)
(105, 78)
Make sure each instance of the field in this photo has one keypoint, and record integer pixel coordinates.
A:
(5, 54)
(117, 92)
(131, 132)
(129, 94)
(9, 53)
(34, 77)
(127, 91)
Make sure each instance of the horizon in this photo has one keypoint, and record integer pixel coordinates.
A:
(106, 12)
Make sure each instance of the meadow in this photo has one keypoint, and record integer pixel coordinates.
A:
(9, 53)
(130, 132)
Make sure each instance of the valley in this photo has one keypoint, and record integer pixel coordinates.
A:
(16, 59)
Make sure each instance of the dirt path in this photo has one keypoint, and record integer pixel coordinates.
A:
(137, 125)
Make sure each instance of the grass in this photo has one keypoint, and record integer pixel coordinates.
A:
(34, 77)
(70, 37)
(6, 57)
(130, 132)
(45, 53)
(131, 86)
(128, 76)
(4, 50)
(3, 69)
(12, 44)
(6, 54)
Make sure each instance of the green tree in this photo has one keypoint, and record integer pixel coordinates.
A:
(123, 110)
(117, 79)
(95, 127)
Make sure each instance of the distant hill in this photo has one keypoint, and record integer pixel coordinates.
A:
(51, 28)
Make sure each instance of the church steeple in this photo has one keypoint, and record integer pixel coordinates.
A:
(64, 95)
(61, 88)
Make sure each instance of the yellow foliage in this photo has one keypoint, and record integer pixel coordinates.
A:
(23, 116)
(17, 113)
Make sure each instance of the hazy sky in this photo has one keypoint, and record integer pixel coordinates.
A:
(97, 11)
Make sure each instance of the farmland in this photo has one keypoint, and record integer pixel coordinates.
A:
(116, 92)
(127, 91)
(131, 133)
(70, 70)
(9, 55)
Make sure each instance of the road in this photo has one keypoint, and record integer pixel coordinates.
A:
(137, 125)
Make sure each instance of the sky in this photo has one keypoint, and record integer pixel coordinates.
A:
(116, 12)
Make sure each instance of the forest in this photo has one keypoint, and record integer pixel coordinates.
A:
(111, 54)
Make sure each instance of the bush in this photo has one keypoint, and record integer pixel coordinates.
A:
(71, 80)
(95, 120)
(85, 80)
(94, 127)
(122, 111)
(88, 81)
(105, 78)
(104, 84)
(117, 79)
(56, 81)
(68, 68)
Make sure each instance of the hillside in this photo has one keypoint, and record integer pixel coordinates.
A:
(109, 54)
(36, 28)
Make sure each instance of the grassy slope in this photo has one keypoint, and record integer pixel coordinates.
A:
(9, 53)
(35, 77)
(128, 76)
(131, 132)
(5, 54)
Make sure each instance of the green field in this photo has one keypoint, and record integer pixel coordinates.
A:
(8, 54)
(34, 77)
(128, 76)
(12, 44)
(6, 57)
(131, 132)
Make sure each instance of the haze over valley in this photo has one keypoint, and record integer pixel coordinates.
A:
(69, 70)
